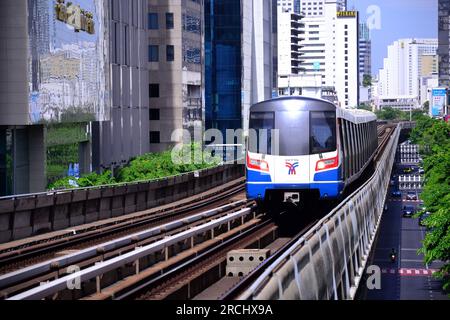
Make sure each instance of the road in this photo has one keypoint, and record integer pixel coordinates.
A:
(408, 278)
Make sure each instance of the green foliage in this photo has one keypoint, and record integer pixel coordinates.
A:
(389, 113)
(159, 165)
(62, 142)
(90, 180)
(364, 106)
(367, 80)
(150, 166)
(433, 137)
(426, 107)
(63, 134)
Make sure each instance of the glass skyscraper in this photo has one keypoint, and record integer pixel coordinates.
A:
(223, 67)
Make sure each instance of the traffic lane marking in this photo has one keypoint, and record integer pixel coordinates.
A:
(409, 272)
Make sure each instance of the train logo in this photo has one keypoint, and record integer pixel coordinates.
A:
(292, 168)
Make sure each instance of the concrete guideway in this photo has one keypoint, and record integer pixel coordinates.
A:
(329, 261)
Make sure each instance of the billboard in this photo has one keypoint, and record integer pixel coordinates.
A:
(438, 102)
(68, 61)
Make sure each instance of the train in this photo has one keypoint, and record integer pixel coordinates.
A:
(306, 148)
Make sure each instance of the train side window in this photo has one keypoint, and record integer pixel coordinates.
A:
(323, 132)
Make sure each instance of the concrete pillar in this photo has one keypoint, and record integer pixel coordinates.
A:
(84, 156)
(37, 159)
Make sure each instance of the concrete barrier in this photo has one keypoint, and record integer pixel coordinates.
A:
(329, 261)
(28, 215)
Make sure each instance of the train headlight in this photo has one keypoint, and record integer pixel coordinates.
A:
(327, 164)
(321, 165)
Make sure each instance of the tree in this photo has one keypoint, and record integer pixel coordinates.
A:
(433, 136)
(364, 106)
(389, 113)
(367, 80)
(426, 107)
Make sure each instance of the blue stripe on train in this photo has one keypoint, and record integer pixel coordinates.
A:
(256, 176)
(327, 190)
(331, 175)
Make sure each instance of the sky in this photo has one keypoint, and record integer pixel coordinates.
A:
(399, 19)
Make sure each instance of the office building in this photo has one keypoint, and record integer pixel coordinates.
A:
(126, 134)
(83, 71)
(241, 59)
(43, 62)
(176, 63)
(444, 43)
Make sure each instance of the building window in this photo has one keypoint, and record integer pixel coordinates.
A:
(154, 90)
(170, 53)
(155, 137)
(169, 20)
(191, 24)
(153, 21)
(154, 115)
(153, 53)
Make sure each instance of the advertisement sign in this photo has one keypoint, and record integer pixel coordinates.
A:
(438, 98)
(69, 61)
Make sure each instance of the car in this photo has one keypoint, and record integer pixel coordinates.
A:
(411, 196)
(408, 211)
(423, 217)
(407, 170)
(396, 194)
(421, 171)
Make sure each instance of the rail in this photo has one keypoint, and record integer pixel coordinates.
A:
(329, 260)
(65, 261)
(96, 271)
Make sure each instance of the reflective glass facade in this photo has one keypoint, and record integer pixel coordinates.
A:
(68, 57)
(223, 70)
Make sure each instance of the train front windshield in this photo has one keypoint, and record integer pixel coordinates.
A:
(261, 126)
(323, 132)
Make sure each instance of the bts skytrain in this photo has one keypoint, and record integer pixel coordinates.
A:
(301, 148)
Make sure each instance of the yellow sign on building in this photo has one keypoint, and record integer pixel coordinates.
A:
(345, 14)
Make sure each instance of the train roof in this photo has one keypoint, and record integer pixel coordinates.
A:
(286, 103)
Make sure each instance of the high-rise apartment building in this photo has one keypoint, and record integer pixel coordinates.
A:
(402, 67)
(176, 63)
(290, 37)
(444, 43)
(241, 59)
(289, 5)
(330, 47)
